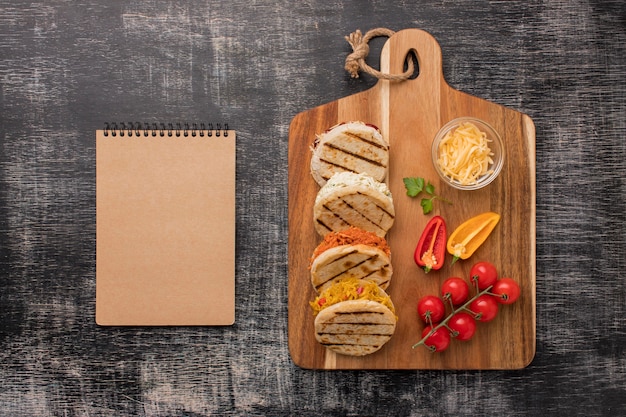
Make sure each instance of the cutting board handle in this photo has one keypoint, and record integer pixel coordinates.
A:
(418, 42)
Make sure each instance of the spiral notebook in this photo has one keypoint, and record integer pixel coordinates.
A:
(165, 225)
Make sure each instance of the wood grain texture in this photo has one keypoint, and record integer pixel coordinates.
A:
(67, 67)
(410, 113)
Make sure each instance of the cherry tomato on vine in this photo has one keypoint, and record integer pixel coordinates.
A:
(507, 290)
(438, 341)
(485, 307)
(455, 289)
(483, 274)
(463, 325)
(431, 309)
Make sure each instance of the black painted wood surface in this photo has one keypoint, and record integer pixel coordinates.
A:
(68, 67)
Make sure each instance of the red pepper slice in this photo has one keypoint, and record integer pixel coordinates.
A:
(431, 248)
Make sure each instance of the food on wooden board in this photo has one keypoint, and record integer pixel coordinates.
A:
(483, 274)
(437, 339)
(431, 247)
(349, 199)
(350, 147)
(431, 309)
(506, 290)
(472, 233)
(459, 319)
(455, 291)
(464, 154)
(462, 326)
(485, 307)
(351, 253)
(415, 185)
(354, 317)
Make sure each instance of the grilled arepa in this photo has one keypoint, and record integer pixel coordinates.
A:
(350, 147)
(350, 199)
(351, 253)
(354, 317)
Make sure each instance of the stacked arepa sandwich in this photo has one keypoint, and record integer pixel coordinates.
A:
(351, 267)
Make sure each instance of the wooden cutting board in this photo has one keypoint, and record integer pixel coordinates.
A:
(409, 114)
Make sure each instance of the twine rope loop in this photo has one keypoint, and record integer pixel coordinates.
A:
(355, 61)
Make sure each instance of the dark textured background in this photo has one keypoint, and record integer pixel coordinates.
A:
(66, 67)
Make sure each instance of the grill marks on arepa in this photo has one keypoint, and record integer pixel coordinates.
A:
(354, 264)
(354, 315)
(355, 329)
(359, 210)
(353, 147)
(354, 153)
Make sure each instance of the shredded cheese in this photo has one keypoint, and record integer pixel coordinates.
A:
(346, 179)
(350, 289)
(464, 154)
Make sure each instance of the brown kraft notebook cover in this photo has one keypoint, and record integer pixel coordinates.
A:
(165, 227)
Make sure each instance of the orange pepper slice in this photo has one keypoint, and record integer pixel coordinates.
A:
(468, 237)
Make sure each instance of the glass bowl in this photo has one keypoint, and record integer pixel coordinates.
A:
(495, 145)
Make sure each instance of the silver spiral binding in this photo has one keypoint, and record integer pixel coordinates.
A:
(138, 129)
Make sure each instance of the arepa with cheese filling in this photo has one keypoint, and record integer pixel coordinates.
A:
(349, 199)
(354, 317)
(350, 147)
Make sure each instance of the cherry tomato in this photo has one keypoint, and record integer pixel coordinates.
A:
(438, 341)
(455, 289)
(507, 291)
(463, 325)
(483, 274)
(431, 309)
(485, 307)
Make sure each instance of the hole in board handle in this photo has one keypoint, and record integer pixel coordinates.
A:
(411, 56)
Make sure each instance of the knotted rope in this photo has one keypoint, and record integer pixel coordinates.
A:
(360, 49)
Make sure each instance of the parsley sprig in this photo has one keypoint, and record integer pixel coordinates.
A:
(416, 185)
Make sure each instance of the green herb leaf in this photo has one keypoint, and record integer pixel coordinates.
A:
(427, 205)
(413, 186)
(430, 189)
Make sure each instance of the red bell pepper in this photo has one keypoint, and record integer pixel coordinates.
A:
(431, 248)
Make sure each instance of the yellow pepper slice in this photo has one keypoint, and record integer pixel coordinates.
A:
(468, 237)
